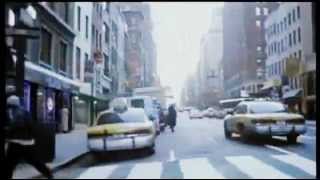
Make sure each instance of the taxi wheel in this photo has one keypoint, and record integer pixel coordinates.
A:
(292, 139)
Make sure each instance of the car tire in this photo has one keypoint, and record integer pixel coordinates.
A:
(227, 133)
(292, 139)
(151, 149)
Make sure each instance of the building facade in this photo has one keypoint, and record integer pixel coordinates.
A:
(48, 78)
(291, 53)
(243, 45)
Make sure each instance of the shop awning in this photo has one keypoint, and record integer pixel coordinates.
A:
(292, 94)
(270, 84)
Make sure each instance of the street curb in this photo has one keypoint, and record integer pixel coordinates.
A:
(63, 164)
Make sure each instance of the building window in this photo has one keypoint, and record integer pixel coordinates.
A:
(64, 11)
(286, 42)
(294, 37)
(299, 35)
(293, 15)
(87, 27)
(258, 23)
(285, 23)
(289, 19)
(63, 57)
(97, 39)
(258, 48)
(281, 26)
(106, 65)
(46, 43)
(265, 11)
(79, 18)
(298, 12)
(279, 48)
(78, 62)
(290, 40)
(100, 41)
(106, 33)
(258, 11)
(278, 28)
(300, 54)
(92, 34)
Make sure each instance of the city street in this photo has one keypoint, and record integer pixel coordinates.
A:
(198, 149)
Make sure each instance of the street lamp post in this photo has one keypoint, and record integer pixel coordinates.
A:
(20, 29)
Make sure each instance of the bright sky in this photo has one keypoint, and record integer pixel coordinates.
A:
(178, 27)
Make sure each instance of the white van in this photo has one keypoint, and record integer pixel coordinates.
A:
(149, 105)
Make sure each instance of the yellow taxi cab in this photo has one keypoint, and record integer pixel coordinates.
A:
(266, 118)
(122, 128)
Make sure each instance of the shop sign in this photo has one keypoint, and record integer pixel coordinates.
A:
(50, 104)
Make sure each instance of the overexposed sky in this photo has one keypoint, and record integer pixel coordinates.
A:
(178, 27)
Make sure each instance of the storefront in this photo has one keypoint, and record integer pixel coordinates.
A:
(49, 100)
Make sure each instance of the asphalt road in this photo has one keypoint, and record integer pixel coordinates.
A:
(198, 149)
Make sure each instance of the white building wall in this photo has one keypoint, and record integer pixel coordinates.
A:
(305, 24)
(81, 41)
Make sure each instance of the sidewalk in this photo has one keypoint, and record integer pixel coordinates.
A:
(68, 147)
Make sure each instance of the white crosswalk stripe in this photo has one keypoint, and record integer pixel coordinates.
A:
(198, 168)
(255, 168)
(146, 171)
(201, 168)
(100, 172)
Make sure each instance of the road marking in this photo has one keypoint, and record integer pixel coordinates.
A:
(172, 156)
(198, 168)
(278, 149)
(300, 162)
(146, 171)
(99, 172)
(255, 168)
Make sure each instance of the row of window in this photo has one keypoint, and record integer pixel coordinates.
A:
(287, 42)
(265, 11)
(279, 67)
(278, 28)
(46, 50)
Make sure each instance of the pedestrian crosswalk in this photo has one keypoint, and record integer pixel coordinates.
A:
(202, 168)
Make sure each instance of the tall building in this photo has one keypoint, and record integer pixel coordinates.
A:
(243, 45)
(211, 49)
(141, 54)
(291, 53)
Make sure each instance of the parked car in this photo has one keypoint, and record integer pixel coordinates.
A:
(266, 118)
(195, 114)
(150, 107)
(210, 113)
(122, 128)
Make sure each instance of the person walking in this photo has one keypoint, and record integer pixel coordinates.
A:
(172, 116)
(20, 139)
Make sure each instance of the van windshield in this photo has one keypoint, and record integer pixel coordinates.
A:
(137, 103)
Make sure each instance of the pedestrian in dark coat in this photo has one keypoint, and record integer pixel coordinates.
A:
(172, 117)
(20, 136)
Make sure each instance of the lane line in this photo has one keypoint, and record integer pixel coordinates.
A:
(255, 168)
(150, 170)
(100, 172)
(198, 168)
(172, 156)
(278, 149)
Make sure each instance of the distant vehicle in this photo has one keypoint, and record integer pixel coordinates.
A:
(195, 114)
(122, 128)
(149, 105)
(266, 118)
(227, 105)
(210, 112)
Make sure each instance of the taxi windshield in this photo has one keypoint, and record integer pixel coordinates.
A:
(257, 108)
(130, 116)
